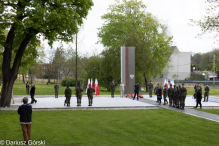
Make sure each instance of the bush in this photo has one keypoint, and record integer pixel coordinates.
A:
(70, 81)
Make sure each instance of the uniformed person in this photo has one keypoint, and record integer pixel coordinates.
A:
(179, 97)
(68, 95)
(90, 92)
(207, 89)
(155, 91)
(79, 95)
(175, 94)
(170, 94)
(200, 87)
(165, 95)
(150, 89)
(56, 87)
(183, 97)
(112, 87)
(195, 88)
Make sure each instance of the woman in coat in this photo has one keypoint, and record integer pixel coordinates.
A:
(159, 94)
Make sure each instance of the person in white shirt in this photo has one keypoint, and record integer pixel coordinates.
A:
(121, 88)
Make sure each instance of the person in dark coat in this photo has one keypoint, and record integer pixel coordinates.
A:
(25, 112)
(32, 93)
(137, 87)
(112, 87)
(159, 94)
(199, 98)
(27, 87)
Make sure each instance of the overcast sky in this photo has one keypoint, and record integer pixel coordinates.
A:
(176, 14)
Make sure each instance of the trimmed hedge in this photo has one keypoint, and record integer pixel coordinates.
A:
(70, 81)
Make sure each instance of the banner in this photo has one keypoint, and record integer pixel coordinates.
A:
(88, 84)
(96, 87)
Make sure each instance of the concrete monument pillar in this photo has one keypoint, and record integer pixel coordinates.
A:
(128, 68)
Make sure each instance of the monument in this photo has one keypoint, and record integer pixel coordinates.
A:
(128, 68)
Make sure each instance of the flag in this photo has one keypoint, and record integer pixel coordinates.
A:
(96, 86)
(91, 82)
(172, 82)
(88, 84)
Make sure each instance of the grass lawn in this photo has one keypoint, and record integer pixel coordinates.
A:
(212, 111)
(113, 128)
(19, 88)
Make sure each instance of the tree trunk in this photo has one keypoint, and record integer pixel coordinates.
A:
(10, 74)
(146, 82)
(48, 80)
(23, 78)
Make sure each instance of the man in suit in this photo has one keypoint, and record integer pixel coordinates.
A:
(137, 87)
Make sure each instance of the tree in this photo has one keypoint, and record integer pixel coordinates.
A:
(128, 24)
(27, 20)
(210, 22)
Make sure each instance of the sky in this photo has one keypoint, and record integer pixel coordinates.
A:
(176, 14)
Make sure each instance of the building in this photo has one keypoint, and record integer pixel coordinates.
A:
(178, 67)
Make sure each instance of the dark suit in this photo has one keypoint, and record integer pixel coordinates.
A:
(199, 99)
(137, 87)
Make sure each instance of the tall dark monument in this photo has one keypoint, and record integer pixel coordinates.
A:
(128, 68)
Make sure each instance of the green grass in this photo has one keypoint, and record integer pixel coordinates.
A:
(113, 128)
(212, 111)
(42, 89)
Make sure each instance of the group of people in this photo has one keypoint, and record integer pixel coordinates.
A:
(198, 94)
(177, 95)
(31, 91)
(79, 90)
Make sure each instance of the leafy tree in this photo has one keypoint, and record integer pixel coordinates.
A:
(210, 22)
(27, 20)
(128, 24)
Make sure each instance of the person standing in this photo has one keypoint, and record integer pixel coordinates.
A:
(79, 95)
(165, 95)
(137, 87)
(122, 89)
(170, 94)
(207, 89)
(12, 97)
(195, 88)
(27, 87)
(159, 94)
(32, 93)
(90, 92)
(183, 97)
(68, 95)
(25, 112)
(175, 94)
(150, 89)
(199, 98)
(56, 87)
(112, 87)
(179, 97)
(156, 90)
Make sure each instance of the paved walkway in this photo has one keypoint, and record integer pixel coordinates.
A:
(106, 102)
(187, 110)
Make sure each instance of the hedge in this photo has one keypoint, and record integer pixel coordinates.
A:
(70, 81)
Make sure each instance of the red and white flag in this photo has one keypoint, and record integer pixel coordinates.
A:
(88, 84)
(96, 86)
(91, 82)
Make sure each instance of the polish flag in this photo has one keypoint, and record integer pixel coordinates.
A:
(96, 87)
(91, 83)
(88, 84)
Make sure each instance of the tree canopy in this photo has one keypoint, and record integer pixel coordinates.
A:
(27, 21)
(129, 24)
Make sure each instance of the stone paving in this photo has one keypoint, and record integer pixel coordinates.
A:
(106, 102)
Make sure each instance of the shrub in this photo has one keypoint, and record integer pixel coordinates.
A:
(70, 81)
